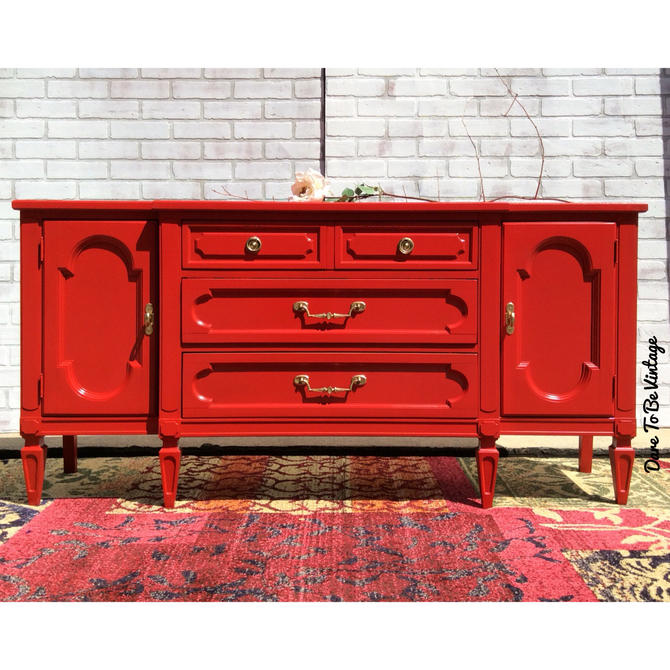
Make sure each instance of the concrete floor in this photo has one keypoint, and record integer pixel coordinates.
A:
(11, 441)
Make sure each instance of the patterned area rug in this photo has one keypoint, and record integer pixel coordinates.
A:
(331, 528)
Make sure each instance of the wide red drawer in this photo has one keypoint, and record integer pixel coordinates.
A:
(251, 246)
(336, 384)
(452, 247)
(329, 311)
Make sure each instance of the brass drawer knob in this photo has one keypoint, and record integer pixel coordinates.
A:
(253, 245)
(406, 246)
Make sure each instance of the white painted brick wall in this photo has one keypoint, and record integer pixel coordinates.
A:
(142, 133)
(183, 133)
(603, 134)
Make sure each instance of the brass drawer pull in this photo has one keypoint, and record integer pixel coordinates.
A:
(148, 319)
(406, 246)
(356, 380)
(303, 306)
(509, 318)
(253, 245)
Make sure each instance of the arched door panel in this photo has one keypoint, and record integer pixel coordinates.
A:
(559, 283)
(98, 279)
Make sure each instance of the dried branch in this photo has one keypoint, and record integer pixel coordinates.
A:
(232, 195)
(479, 165)
(515, 98)
(381, 192)
(411, 197)
(525, 197)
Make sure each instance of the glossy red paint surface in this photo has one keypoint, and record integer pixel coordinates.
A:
(328, 207)
(207, 245)
(261, 385)
(413, 311)
(561, 280)
(229, 341)
(97, 280)
(437, 247)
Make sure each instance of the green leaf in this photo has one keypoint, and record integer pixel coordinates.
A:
(367, 190)
(347, 193)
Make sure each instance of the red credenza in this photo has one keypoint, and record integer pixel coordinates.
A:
(189, 318)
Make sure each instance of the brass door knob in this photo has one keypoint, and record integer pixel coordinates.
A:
(253, 245)
(406, 246)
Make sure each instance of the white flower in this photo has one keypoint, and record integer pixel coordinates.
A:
(310, 185)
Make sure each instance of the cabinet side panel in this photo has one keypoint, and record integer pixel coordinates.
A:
(489, 327)
(627, 316)
(169, 316)
(31, 313)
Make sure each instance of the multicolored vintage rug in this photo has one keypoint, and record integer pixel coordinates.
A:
(333, 528)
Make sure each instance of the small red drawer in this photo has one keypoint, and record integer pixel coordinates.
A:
(246, 246)
(414, 247)
(329, 311)
(334, 384)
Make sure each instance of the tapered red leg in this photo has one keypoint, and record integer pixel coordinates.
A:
(585, 452)
(487, 468)
(33, 455)
(69, 454)
(622, 456)
(170, 458)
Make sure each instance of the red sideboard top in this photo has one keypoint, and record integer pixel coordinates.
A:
(545, 206)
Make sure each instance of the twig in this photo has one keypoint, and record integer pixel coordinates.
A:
(380, 192)
(516, 95)
(525, 197)
(515, 98)
(232, 195)
(479, 165)
(410, 197)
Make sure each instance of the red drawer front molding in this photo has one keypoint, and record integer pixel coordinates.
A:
(248, 385)
(426, 247)
(243, 245)
(414, 311)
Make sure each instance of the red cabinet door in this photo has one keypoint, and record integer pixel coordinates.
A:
(98, 280)
(560, 281)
